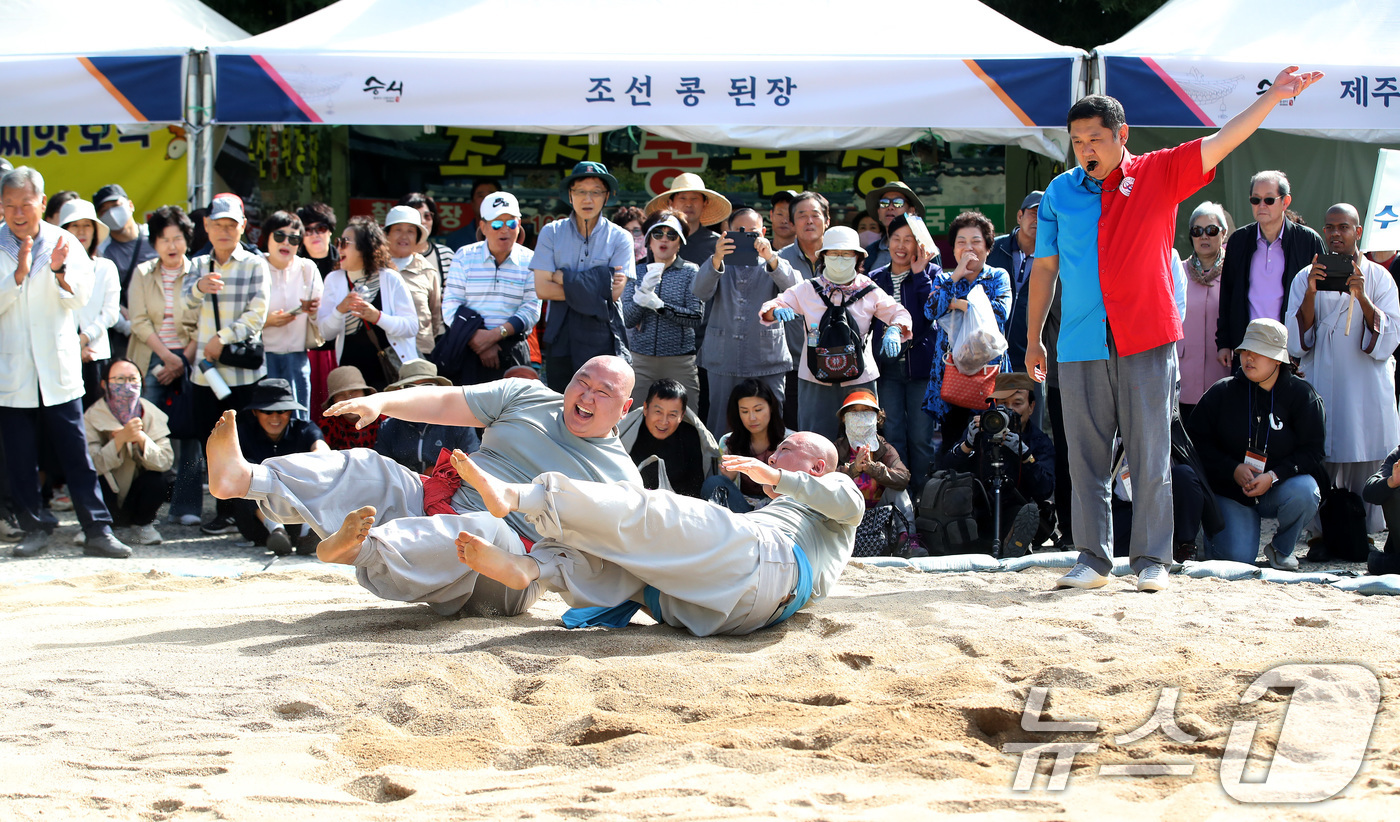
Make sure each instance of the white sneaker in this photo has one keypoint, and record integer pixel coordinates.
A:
(8, 532)
(147, 535)
(1153, 578)
(1287, 562)
(1082, 576)
(191, 519)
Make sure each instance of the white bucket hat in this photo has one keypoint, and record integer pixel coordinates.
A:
(841, 238)
(405, 215)
(75, 210)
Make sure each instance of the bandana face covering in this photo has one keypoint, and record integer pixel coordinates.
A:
(124, 400)
(860, 430)
(840, 270)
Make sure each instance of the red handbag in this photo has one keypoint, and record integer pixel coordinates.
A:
(967, 392)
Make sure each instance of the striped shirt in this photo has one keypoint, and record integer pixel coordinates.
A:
(242, 308)
(497, 293)
(168, 333)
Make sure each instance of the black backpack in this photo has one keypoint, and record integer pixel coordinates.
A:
(949, 509)
(839, 353)
(1343, 519)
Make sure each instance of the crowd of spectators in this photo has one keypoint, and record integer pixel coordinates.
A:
(1286, 388)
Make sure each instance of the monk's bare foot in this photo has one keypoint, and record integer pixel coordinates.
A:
(344, 545)
(500, 498)
(511, 570)
(229, 474)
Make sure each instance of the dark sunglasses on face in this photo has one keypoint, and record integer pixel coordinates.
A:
(341, 242)
(1264, 200)
(1205, 230)
(500, 224)
(897, 202)
(318, 229)
(285, 237)
(664, 234)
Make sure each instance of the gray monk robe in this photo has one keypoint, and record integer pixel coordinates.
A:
(411, 557)
(707, 569)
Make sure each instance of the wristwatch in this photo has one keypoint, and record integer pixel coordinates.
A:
(505, 330)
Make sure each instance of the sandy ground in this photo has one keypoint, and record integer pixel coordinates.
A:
(145, 689)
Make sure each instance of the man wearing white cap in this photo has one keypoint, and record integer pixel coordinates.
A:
(494, 279)
(403, 227)
(229, 289)
(701, 207)
(127, 247)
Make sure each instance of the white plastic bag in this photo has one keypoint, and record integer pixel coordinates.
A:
(974, 338)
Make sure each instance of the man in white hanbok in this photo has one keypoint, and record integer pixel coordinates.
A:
(1345, 341)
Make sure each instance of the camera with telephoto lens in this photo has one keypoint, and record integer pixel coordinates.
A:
(996, 421)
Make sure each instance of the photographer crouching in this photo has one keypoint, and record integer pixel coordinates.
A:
(1005, 451)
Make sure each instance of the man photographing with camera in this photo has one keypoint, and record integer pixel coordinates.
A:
(1002, 447)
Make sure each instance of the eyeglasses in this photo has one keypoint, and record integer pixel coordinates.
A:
(286, 237)
(1264, 200)
(125, 381)
(500, 224)
(318, 229)
(1205, 230)
(636, 232)
(341, 242)
(589, 193)
(897, 202)
(664, 234)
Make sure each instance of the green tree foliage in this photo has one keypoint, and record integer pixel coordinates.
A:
(1082, 23)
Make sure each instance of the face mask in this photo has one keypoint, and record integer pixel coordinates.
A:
(124, 400)
(840, 270)
(117, 216)
(860, 430)
(639, 247)
(869, 237)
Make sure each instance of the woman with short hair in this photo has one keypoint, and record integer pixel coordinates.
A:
(293, 296)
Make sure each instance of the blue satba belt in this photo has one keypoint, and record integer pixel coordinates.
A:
(618, 616)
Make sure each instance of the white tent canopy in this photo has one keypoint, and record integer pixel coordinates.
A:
(80, 62)
(1200, 62)
(766, 73)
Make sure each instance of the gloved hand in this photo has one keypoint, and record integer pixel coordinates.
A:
(973, 426)
(782, 314)
(650, 282)
(889, 346)
(646, 299)
(1013, 444)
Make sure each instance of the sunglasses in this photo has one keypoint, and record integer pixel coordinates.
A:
(664, 234)
(341, 242)
(1205, 231)
(318, 229)
(897, 202)
(286, 237)
(500, 224)
(1264, 200)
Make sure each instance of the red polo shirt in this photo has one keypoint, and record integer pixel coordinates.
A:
(1136, 230)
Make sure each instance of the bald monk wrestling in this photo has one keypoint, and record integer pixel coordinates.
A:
(611, 549)
(409, 555)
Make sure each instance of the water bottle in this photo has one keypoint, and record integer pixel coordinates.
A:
(215, 379)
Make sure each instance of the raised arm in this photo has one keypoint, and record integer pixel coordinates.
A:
(1288, 84)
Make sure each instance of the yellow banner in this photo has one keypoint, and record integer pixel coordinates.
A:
(150, 167)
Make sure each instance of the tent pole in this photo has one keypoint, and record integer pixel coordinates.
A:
(206, 175)
(191, 130)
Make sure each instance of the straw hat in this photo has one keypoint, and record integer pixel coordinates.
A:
(717, 206)
(416, 371)
(344, 378)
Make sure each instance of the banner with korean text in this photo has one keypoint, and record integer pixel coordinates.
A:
(149, 165)
(1381, 222)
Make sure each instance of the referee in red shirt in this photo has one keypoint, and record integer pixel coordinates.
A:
(1105, 232)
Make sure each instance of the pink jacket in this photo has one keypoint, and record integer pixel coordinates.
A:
(803, 299)
(1196, 350)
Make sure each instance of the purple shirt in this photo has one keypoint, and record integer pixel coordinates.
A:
(1266, 291)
